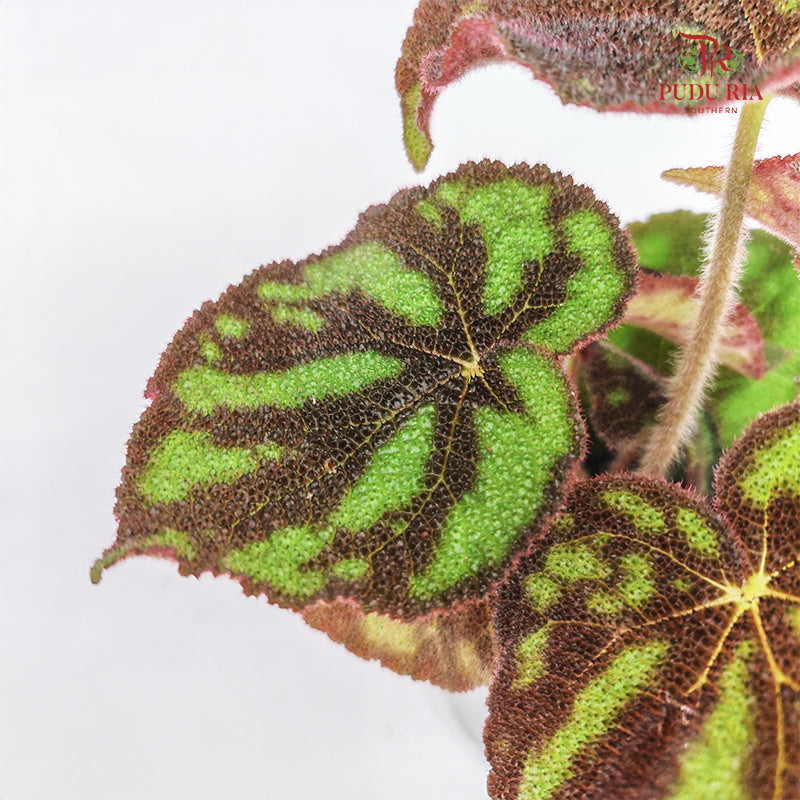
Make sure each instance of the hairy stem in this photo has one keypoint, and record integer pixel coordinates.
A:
(717, 293)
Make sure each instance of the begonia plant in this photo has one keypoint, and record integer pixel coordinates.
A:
(493, 437)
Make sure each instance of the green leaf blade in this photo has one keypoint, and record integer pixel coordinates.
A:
(592, 292)
(204, 389)
(369, 424)
(373, 269)
(596, 708)
(520, 455)
(715, 762)
(185, 459)
(712, 595)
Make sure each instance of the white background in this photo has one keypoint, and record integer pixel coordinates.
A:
(151, 153)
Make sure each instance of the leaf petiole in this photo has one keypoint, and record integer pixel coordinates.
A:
(717, 294)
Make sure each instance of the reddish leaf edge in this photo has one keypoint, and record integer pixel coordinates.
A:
(448, 39)
(777, 218)
(567, 471)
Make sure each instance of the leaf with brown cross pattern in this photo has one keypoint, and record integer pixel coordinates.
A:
(652, 650)
(387, 422)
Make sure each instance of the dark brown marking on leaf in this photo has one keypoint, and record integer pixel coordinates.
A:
(722, 591)
(319, 449)
(625, 393)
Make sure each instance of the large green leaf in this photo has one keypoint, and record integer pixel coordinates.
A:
(387, 421)
(614, 55)
(650, 648)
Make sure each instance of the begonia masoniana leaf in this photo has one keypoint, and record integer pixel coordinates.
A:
(613, 55)
(650, 648)
(623, 396)
(769, 289)
(624, 393)
(452, 650)
(773, 198)
(771, 26)
(386, 421)
(667, 305)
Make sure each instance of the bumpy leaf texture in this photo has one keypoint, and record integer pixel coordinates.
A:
(623, 396)
(612, 55)
(652, 650)
(773, 198)
(623, 379)
(387, 422)
(624, 393)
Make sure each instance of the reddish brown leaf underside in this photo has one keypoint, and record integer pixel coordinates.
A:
(773, 198)
(668, 304)
(453, 650)
(612, 56)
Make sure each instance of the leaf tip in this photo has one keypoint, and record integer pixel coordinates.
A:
(108, 559)
(96, 572)
(416, 135)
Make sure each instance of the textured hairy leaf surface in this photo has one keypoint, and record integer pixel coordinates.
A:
(769, 290)
(613, 55)
(387, 421)
(624, 393)
(652, 649)
(772, 199)
(454, 651)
